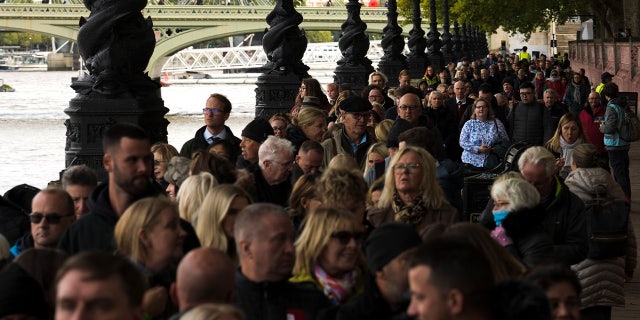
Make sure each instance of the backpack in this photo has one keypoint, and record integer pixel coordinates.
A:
(628, 125)
(607, 223)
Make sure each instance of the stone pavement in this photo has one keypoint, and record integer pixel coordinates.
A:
(632, 289)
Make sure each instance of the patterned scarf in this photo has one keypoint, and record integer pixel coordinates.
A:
(338, 290)
(567, 150)
(412, 213)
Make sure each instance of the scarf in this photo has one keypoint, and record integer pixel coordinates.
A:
(412, 213)
(338, 290)
(576, 93)
(567, 150)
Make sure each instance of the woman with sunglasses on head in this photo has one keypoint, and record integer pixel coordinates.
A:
(411, 192)
(328, 255)
(162, 153)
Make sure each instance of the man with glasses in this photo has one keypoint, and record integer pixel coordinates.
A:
(216, 111)
(352, 139)
(526, 121)
(52, 213)
(275, 162)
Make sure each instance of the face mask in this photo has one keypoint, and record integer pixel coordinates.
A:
(499, 215)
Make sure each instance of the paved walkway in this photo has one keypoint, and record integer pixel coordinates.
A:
(632, 289)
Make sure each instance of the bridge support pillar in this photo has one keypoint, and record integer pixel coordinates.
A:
(275, 93)
(90, 118)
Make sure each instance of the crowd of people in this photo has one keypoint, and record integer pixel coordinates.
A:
(348, 206)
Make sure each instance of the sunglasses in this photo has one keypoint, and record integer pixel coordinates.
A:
(53, 218)
(344, 237)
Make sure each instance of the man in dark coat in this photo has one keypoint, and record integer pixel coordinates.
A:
(387, 250)
(264, 238)
(216, 112)
(129, 163)
(564, 219)
(527, 120)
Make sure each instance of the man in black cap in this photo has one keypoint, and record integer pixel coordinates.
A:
(216, 112)
(387, 251)
(253, 135)
(352, 139)
(606, 77)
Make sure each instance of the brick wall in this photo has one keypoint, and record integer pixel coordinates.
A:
(617, 58)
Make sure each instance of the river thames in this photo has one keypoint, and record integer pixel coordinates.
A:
(32, 131)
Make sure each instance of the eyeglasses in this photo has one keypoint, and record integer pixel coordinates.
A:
(408, 166)
(158, 162)
(482, 107)
(405, 108)
(53, 218)
(526, 93)
(344, 237)
(212, 111)
(360, 115)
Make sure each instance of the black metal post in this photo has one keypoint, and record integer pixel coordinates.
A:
(434, 44)
(354, 67)
(417, 58)
(457, 42)
(393, 61)
(447, 43)
(284, 43)
(115, 49)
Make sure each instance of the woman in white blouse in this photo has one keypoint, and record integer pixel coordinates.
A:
(483, 138)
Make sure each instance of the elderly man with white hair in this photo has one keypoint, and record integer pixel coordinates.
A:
(275, 162)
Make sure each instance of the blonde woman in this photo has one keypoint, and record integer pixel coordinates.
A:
(192, 193)
(377, 152)
(568, 135)
(309, 124)
(328, 255)
(411, 192)
(149, 233)
(217, 216)
(213, 311)
(382, 130)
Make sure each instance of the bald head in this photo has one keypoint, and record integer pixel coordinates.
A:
(205, 275)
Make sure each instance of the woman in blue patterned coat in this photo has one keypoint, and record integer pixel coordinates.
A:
(482, 137)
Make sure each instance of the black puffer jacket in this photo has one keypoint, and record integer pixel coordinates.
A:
(531, 244)
(277, 300)
(564, 222)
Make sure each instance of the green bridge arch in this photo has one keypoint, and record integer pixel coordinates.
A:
(178, 27)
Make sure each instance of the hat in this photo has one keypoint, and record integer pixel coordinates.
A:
(20, 293)
(355, 104)
(258, 130)
(605, 76)
(177, 170)
(399, 126)
(311, 101)
(387, 242)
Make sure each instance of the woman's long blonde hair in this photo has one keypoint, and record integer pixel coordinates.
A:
(316, 233)
(214, 208)
(553, 144)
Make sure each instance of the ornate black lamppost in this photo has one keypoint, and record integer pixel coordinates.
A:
(284, 43)
(115, 50)
(417, 58)
(447, 43)
(433, 39)
(469, 51)
(393, 61)
(354, 67)
(457, 42)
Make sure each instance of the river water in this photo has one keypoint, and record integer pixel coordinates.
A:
(32, 131)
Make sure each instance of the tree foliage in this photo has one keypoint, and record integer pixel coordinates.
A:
(23, 39)
(514, 16)
(319, 36)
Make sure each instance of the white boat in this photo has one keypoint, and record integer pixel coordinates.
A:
(7, 63)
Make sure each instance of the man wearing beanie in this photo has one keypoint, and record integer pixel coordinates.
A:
(253, 135)
(387, 251)
(352, 139)
(216, 112)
